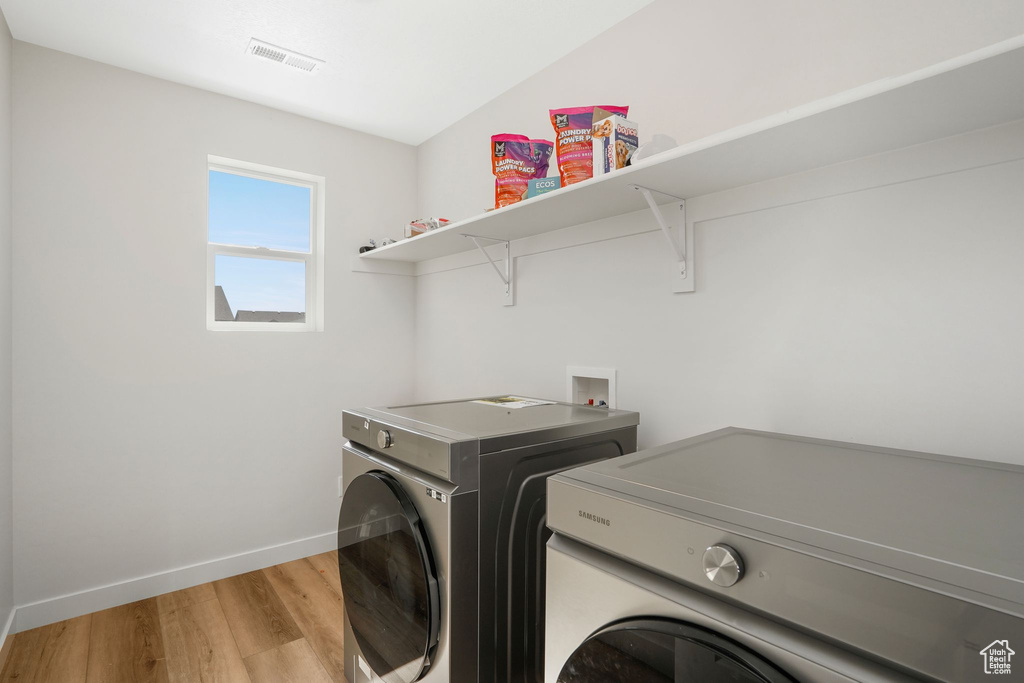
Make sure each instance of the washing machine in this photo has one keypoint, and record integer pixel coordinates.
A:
(750, 556)
(442, 532)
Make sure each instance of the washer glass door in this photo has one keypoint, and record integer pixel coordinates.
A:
(664, 651)
(388, 578)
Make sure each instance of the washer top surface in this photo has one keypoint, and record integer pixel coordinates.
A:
(470, 419)
(949, 519)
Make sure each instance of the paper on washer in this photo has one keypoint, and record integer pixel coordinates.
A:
(513, 402)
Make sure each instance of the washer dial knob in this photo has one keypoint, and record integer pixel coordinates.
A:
(384, 439)
(722, 565)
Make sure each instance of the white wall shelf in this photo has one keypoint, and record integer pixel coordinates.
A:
(982, 89)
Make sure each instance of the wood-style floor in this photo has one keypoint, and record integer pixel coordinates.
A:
(276, 625)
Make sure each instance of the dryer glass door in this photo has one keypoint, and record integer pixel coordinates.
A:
(388, 578)
(663, 651)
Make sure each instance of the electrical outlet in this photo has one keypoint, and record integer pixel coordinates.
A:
(341, 486)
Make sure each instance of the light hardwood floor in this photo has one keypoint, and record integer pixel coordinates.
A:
(278, 625)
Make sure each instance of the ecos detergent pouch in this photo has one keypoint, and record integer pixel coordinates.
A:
(574, 142)
(515, 159)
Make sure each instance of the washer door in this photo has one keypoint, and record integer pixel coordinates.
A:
(663, 651)
(388, 578)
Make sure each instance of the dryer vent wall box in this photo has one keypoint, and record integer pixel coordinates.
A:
(584, 385)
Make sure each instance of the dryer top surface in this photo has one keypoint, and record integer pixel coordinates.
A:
(474, 419)
(951, 519)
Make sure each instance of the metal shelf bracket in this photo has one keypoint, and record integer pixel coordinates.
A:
(508, 277)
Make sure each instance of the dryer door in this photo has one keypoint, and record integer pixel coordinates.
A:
(664, 651)
(388, 578)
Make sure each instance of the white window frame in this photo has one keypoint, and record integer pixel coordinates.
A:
(314, 260)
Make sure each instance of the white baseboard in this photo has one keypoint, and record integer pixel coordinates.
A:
(52, 610)
(5, 633)
(8, 628)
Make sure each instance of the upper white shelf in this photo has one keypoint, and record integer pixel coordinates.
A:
(978, 90)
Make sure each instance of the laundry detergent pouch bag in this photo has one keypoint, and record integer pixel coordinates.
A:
(574, 140)
(515, 160)
(541, 156)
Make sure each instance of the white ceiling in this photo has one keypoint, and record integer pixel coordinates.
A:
(403, 69)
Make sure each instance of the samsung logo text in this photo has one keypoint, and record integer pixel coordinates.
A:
(595, 518)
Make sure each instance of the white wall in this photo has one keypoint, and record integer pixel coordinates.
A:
(877, 302)
(6, 490)
(689, 68)
(143, 442)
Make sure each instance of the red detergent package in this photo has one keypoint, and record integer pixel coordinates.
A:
(515, 160)
(574, 141)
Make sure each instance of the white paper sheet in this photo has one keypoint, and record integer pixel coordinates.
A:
(513, 402)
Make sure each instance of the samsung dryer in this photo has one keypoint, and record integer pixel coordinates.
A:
(749, 556)
(442, 532)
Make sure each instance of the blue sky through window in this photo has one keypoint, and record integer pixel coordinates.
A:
(259, 284)
(250, 212)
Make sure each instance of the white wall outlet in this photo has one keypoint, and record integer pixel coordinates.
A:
(341, 486)
(590, 384)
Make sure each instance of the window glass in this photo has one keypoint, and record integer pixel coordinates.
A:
(249, 289)
(252, 212)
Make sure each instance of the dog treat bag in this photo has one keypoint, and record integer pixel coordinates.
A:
(574, 142)
(515, 159)
(615, 140)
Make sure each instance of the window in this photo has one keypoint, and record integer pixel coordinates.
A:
(265, 248)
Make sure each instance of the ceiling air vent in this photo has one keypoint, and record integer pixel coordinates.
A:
(258, 48)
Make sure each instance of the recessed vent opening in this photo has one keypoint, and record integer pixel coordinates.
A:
(300, 63)
(258, 48)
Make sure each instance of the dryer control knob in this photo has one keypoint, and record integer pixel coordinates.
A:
(722, 565)
(384, 439)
